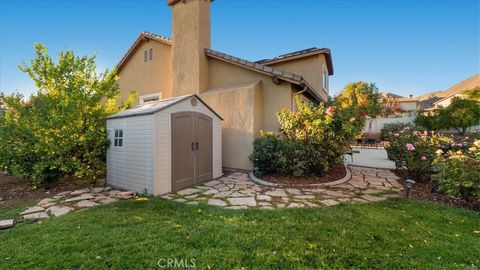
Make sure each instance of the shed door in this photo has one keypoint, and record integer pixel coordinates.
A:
(204, 147)
(191, 149)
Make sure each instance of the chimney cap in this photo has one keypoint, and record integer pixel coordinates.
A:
(173, 2)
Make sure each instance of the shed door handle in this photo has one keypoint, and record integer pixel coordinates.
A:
(193, 146)
(196, 146)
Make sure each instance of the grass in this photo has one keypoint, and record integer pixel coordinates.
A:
(136, 234)
(12, 211)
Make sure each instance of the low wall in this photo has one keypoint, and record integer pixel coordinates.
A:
(375, 125)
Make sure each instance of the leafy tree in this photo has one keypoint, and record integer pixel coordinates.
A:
(390, 106)
(461, 114)
(61, 129)
(473, 93)
(430, 122)
(362, 97)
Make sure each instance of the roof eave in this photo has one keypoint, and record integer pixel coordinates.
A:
(163, 108)
(141, 38)
(327, 52)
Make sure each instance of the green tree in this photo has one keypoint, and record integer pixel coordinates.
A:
(61, 129)
(430, 122)
(473, 93)
(461, 114)
(362, 97)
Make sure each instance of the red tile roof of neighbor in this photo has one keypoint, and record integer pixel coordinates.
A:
(276, 73)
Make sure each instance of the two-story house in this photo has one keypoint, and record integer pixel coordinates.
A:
(246, 94)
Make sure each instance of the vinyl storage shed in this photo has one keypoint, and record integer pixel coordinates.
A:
(164, 146)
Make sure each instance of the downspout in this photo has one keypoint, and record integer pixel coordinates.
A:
(296, 94)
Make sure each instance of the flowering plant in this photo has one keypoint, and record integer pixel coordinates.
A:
(413, 152)
(458, 172)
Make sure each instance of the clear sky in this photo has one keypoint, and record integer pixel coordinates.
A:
(406, 47)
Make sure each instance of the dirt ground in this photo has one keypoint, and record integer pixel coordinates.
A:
(423, 192)
(336, 172)
(14, 190)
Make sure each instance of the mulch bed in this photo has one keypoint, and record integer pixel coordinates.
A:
(14, 190)
(336, 172)
(423, 192)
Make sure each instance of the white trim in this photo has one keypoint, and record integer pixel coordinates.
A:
(325, 82)
(154, 95)
(154, 155)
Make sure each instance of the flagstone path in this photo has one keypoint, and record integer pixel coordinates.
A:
(237, 191)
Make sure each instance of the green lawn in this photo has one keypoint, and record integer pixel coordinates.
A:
(136, 234)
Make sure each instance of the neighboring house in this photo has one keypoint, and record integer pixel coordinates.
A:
(409, 106)
(430, 100)
(445, 102)
(246, 94)
(427, 102)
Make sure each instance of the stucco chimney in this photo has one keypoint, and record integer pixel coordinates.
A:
(191, 35)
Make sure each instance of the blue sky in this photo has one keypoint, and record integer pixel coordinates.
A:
(406, 47)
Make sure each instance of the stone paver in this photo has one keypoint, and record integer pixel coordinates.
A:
(236, 191)
(189, 191)
(86, 204)
(31, 210)
(77, 200)
(7, 223)
(217, 202)
(35, 216)
(245, 201)
(59, 210)
(80, 198)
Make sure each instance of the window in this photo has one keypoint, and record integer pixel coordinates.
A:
(150, 98)
(148, 55)
(118, 138)
(325, 79)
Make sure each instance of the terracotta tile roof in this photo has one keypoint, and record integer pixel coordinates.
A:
(273, 72)
(141, 38)
(301, 54)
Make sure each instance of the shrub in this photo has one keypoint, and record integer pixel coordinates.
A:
(389, 130)
(458, 171)
(413, 152)
(272, 154)
(315, 137)
(61, 129)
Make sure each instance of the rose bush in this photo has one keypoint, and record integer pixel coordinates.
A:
(414, 152)
(458, 170)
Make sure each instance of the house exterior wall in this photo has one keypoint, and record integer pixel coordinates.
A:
(239, 105)
(274, 96)
(446, 102)
(147, 77)
(310, 68)
(191, 35)
(409, 106)
(131, 167)
(162, 143)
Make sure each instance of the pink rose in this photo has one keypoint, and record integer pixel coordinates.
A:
(410, 147)
(330, 111)
(423, 158)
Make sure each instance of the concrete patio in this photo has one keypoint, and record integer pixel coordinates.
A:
(368, 157)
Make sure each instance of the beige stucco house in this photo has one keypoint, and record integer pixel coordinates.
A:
(246, 94)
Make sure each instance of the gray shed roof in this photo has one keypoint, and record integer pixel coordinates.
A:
(153, 107)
